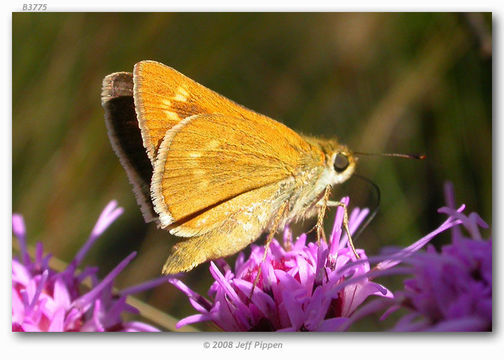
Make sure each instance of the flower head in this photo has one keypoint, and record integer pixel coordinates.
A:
(47, 300)
(302, 286)
(450, 290)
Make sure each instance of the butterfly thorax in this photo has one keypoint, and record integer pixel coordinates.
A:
(316, 173)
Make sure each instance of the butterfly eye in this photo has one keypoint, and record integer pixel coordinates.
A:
(340, 162)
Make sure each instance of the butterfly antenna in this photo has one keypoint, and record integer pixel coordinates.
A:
(403, 156)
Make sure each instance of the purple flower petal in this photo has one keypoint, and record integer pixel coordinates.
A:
(471, 323)
(299, 289)
(401, 255)
(333, 324)
(144, 286)
(136, 326)
(107, 217)
(19, 230)
(450, 290)
(85, 300)
(57, 321)
(45, 300)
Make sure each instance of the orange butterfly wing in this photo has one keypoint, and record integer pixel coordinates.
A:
(209, 165)
(164, 97)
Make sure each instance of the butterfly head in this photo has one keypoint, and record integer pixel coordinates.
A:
(339, 160)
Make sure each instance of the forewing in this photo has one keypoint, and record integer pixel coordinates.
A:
(207, 164)
(164, 97)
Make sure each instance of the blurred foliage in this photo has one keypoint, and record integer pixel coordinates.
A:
(380, 82)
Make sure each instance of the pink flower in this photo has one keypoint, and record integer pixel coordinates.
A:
(46, 300)
(450, 290)
(302, 287)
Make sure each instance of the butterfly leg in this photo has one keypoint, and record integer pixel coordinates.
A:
(274, 228)
(331, 203)
(321, 214)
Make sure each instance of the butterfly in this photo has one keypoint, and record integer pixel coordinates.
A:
(211, 171)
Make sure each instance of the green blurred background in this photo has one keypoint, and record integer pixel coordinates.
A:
(380, 82)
